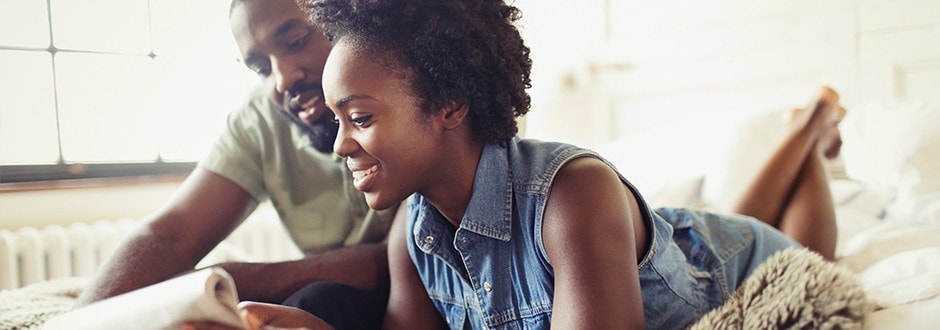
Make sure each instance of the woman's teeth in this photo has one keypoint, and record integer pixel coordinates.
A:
(362, 174)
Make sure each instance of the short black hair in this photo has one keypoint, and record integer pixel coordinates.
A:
(464, 51)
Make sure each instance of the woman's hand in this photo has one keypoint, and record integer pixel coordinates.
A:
(267, 317)
(271, 316)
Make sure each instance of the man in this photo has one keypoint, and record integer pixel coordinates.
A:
(278, 146)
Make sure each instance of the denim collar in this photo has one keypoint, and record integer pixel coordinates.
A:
(490, 210)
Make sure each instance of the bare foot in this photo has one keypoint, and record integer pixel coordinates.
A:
(830, 143)
(823, 117)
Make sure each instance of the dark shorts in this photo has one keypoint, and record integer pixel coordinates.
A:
(342, 306)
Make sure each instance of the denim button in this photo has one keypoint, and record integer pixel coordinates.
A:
(429, 239)
(463, 240)
(487, 286)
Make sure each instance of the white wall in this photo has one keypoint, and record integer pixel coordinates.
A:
(610, 68)
(87, 204)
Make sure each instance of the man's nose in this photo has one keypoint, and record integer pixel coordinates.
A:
(286, 75)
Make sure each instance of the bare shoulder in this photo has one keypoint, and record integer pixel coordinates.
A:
(583, 173)
(586, 193)
(586, 183)
(588, 232)
(588, 199)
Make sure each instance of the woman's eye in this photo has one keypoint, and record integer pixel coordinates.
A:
(360, 121)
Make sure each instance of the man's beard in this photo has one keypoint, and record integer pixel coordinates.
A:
(322, 132)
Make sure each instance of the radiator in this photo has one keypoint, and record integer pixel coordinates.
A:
(30, 255)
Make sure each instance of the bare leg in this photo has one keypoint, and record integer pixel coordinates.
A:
(809, 217)
(791, 191)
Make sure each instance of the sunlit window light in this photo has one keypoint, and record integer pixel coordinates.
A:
(115, 81)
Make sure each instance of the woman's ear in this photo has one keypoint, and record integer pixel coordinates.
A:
(454, 114)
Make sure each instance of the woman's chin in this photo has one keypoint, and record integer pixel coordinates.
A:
(377, 202)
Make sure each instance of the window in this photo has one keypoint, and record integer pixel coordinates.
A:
(100, 88)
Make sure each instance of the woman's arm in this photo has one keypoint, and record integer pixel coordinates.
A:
(409, 306)
(589, 234)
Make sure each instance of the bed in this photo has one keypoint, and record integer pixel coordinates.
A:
(886, 186)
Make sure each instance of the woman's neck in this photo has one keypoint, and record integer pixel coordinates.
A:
(451, 195)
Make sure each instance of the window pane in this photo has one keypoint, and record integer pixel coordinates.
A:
(24, 23)
(106, 109)
(192, 28)
(101, 25)
(196, 61)
(27, 109)
(194, 96)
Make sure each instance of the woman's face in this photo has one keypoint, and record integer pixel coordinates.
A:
(389, 144)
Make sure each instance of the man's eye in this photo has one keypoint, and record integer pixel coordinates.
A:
(298, 43)
(260, 71)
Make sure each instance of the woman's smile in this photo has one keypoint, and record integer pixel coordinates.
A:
(362, 176)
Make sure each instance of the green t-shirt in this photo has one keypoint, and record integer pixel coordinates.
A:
(271, 157)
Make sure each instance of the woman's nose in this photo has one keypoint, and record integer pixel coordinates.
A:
(344, 145)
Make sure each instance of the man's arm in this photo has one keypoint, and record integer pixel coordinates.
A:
(205, 210)
(171, 241)
(363, 266)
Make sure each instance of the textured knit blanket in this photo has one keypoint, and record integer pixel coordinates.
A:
(30, 306)
(794, 289)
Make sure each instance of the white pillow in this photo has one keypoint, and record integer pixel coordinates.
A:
(895, 143)
(920, 208)
(749, 143)
(676, 154)
(870, 199)
(903, 278)
(860, 250)
(684, 194)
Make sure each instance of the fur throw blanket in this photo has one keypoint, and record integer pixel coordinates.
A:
(793, 289)
(30, 306)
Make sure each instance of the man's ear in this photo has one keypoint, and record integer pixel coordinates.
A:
(454, 114)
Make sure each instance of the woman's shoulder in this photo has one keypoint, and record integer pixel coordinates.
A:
(533, 159)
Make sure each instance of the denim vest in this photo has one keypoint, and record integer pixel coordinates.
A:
(493, 271)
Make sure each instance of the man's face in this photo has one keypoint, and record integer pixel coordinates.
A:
(287, 53)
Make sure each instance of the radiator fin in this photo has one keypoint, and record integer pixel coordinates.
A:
(29, 255)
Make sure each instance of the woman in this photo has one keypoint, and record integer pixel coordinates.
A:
(511, 233)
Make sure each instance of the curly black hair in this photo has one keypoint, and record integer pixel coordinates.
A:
(464, 51)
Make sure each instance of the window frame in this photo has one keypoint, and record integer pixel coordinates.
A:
(16, 175)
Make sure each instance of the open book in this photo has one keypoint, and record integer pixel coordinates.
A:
(208, 294)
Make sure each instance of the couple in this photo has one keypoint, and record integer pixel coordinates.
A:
(500, 231)
(503, 232)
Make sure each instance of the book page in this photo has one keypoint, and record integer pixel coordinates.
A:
(208, 294)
